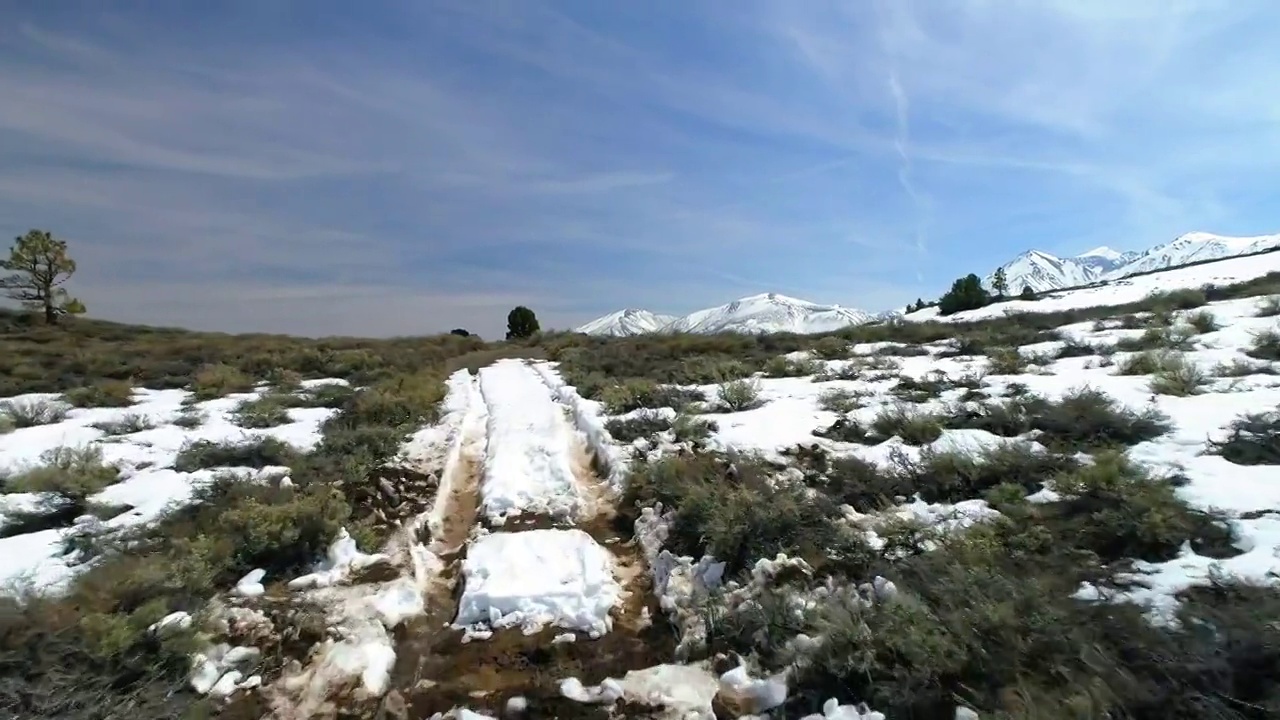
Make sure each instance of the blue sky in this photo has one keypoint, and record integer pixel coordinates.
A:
(378, 168)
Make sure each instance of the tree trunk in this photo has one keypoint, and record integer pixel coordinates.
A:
(50, 314)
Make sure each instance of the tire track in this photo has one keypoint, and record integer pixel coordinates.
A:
(439, 668)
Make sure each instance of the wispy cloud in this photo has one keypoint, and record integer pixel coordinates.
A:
(231, 167)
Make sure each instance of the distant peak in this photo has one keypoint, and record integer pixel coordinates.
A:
(1103, 252)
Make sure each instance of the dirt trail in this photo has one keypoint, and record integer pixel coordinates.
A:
(436, 670)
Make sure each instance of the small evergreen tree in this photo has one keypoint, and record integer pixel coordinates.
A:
(919, 305)
(1000, 283)
(40, 265)
(1027, 293)
(521, 323)
(459, 332)
(966, 293)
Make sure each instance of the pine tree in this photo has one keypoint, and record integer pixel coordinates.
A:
(1000, 283)
(966, 293)
(40, 265)
(521, 323)
(1027, 293)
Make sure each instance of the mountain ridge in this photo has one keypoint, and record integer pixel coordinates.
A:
(760, 313)
(1043, 271)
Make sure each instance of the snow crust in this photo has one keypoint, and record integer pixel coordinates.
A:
(527, 466)
(538, 578)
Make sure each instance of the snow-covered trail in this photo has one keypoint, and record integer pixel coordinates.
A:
(538, 584)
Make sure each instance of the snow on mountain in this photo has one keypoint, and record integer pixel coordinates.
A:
(770, 312)
(627, 322)
(1194, 247)
(764, 313)
(1122, 290)
(1044, 271)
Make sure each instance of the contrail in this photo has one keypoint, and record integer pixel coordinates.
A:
(902, 141)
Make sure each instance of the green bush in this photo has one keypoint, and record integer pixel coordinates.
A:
(782, 366)
(841, 400)
(125, 425)
(913, 426)
(1179, 377)
(218, 380)
(1083, 419)
(1268, 306)
(1254, 440)
(72, 473)
(262, 412)
(732, 508)
(691, 429)
(966, 293)
(738, 395)
(106, 393)
(30, 413)
(253, 453)
(1266, 346)
(1204, 321)
(642, 425)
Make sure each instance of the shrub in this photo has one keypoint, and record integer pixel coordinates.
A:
(1266, 346)
(1005, 361)
(1143, 363)
(1087, 419)
(966, 293)
(952, 476)
(841, 400)
(1204, 321)
(1083, 419)
(1254, 440)
(1178, 376)
(189, 418)
(253, 453)
(932, 385)
(1268, 306)
(71, 472)
(30, 413)
(126, 424)
(732, 508)
(219, 380)
(739, 395)
(283, 380)
(782, 366)
(328, 395)
(266, 411)
(911, 425)
(866, 487)
(1073, 347)
(1181, 299)
(637, 393)
(687, 428)
(1177, 337)
(832, 348)
(1243, 368)
(1116, 509)
(107, 393)
(643, 424)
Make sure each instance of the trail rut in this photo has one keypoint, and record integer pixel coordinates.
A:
(438, 667)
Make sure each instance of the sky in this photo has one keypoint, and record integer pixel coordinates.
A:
(399, 167)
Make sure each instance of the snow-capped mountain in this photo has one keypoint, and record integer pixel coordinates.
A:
(764, 313)
(1194, 247)
(627, 322)
(1044, 271)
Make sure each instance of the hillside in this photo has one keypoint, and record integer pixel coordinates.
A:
(926, 519)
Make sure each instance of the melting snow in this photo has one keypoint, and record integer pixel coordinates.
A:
(538, 578)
